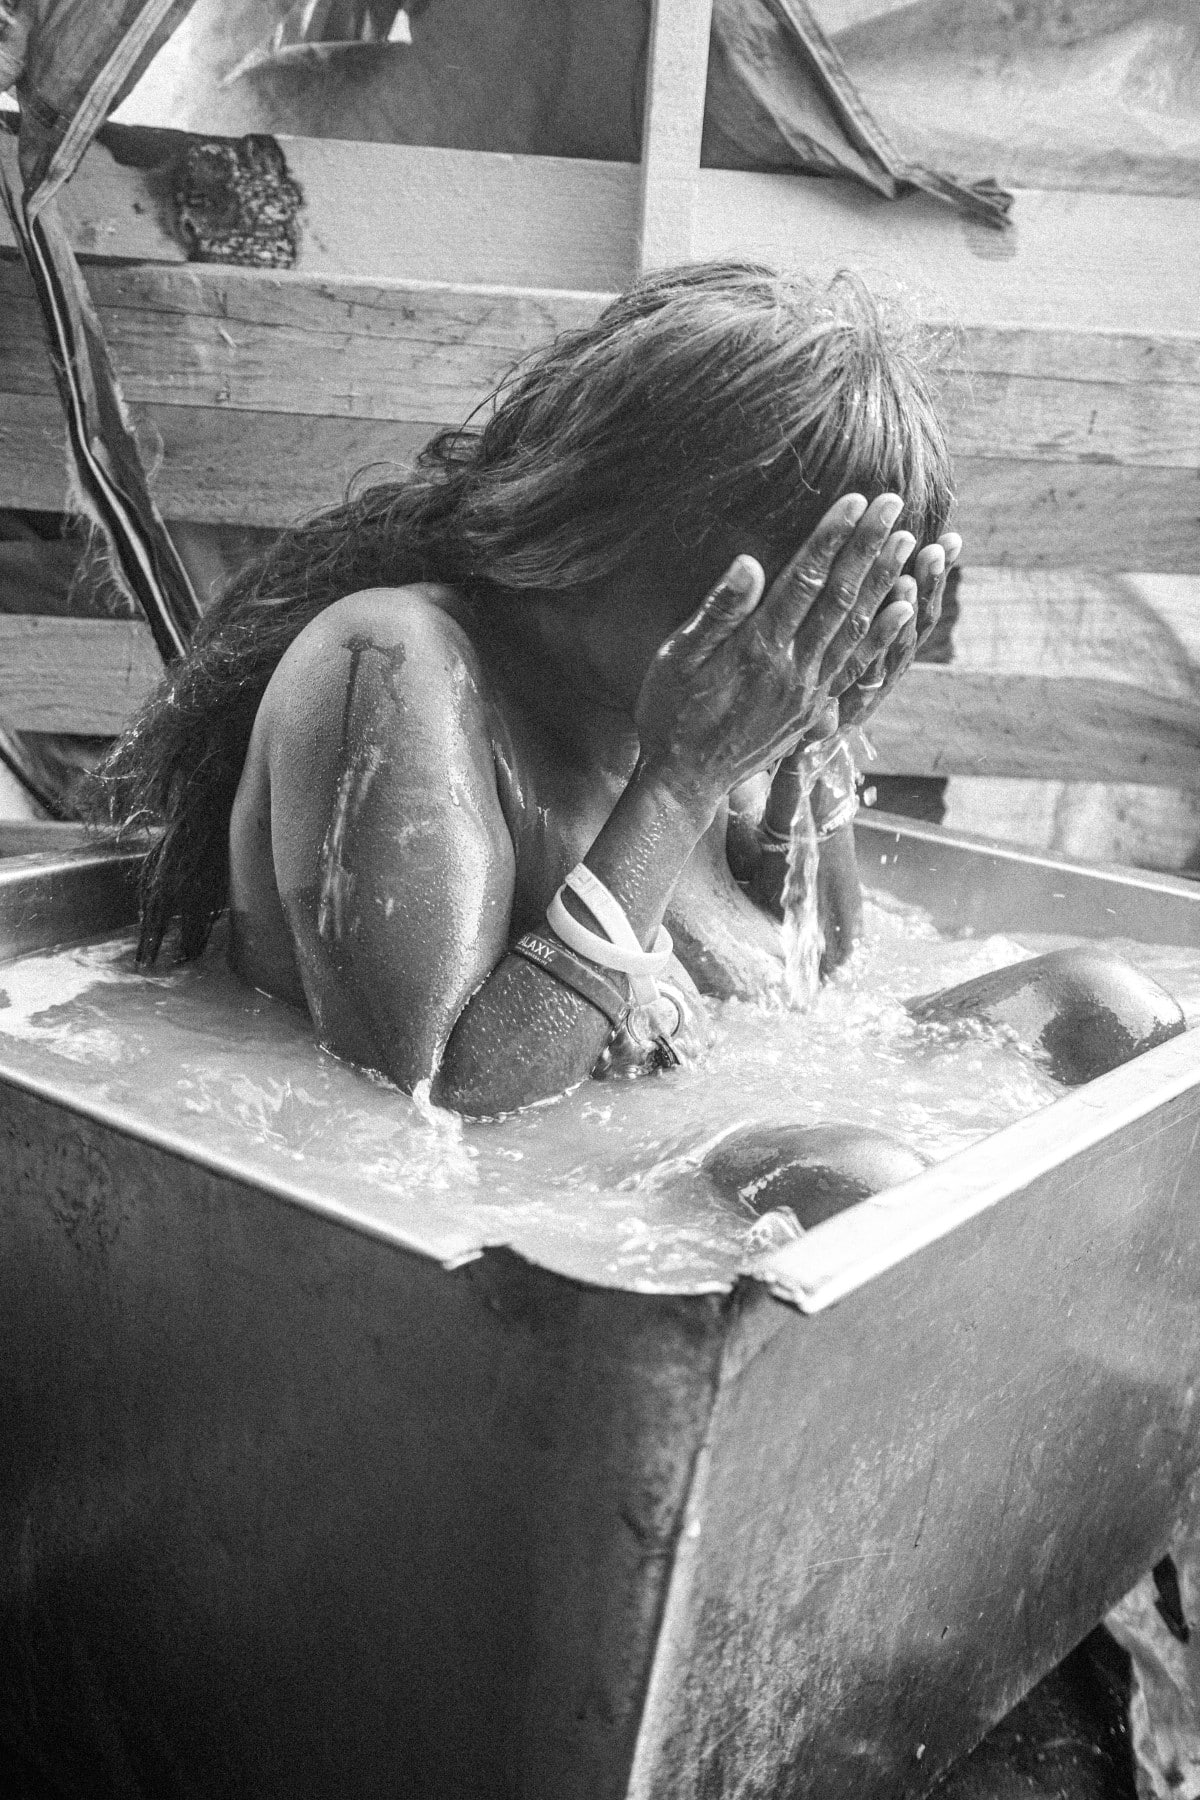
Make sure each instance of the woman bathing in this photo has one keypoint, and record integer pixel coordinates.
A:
(668, 558)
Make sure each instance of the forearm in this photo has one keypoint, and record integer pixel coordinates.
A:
(524, 1036)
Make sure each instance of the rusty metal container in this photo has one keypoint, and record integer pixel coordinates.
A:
(288, 1506)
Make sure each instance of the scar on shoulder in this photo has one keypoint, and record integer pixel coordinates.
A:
(391, 659)
(336, 910)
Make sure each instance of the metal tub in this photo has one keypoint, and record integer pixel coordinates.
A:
(288, 1507)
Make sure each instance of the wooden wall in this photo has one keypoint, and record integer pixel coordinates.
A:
(1071, 389)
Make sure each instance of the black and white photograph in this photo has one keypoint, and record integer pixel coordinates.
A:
(600, 900)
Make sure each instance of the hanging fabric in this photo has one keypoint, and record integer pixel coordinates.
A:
(780, 96)
(72, 61)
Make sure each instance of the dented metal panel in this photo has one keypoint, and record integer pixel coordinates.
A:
(912, 1506)
(285, 1510)
(289, 1507)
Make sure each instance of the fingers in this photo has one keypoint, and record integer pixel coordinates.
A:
(858, 701)
(877, 584)
(931, 569)
(798, 586)
(733, 599)
(823, 726)
(930, 573)
(904, 648)
(889, 623)
(817, 591)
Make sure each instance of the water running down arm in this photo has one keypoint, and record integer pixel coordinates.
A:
(402, 941)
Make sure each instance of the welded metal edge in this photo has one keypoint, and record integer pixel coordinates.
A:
(843, 1254)
(49, 900)
(66, 896)
(94, 890)
(451, 1252)
(969, 883)
(924, 831)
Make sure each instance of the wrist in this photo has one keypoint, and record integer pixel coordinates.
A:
(651, 832)
(835, 814)
(687, 800)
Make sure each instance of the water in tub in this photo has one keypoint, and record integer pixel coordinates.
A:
(600, 1183)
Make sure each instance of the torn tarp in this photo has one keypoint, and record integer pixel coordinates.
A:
(536, 77)
(780, 96)
(72, 62)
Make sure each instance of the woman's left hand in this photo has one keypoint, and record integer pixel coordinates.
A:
(839, 891)
(924, 590)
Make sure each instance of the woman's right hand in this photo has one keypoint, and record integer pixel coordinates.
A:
(751, 673)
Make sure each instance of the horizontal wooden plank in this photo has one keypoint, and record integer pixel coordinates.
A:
(86, 676)
(1072, 261)
(1049, 354)
(270, 341)
(393, 210)
(213, 466)
(1122, 263)
(1142, 630)
(416, 213)
(1048, 515)
(37, 837)
(1152, 424)
(108, 210)
(82, 676)
(258, 341)
(948, 721)
(230, 467)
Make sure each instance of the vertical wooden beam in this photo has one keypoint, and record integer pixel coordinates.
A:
(676, 75)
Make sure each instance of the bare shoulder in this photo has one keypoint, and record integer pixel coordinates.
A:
(416, 631)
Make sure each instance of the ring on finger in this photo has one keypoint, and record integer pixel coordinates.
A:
(869, 686)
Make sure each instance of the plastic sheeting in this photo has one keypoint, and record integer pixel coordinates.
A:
(1097, 94)
(779, 87)
(71, 61)
(1101, 94)
(536, 77)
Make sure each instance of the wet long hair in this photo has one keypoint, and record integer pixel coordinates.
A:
(710, 400)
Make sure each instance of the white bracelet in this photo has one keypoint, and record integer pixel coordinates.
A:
(842, 814)
(621, 949)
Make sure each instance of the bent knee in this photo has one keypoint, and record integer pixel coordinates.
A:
(1086, 1010)
(814, 1171)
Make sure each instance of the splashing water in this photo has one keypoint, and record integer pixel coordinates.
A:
(803, 940)
(604, 1184)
